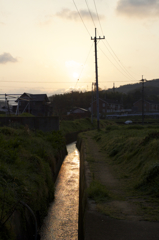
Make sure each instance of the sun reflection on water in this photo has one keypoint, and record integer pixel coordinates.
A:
(62, 219)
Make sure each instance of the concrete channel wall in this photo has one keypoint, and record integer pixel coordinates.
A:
(87, 210)
(45, 124)
(60, 156)
(84, 180)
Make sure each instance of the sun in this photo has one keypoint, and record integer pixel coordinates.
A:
(75, 75)
(74, 69)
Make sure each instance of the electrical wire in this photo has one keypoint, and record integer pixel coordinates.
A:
(98, 17)
(118, 61)
(90, 13)
(119, 64)
(111, 51)
(84, 64)
(113, 64)
(31, 82)
(98, 41)
(81, 18)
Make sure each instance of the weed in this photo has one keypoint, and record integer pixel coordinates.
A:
(113, 152)
(97, 137)
(90, 159)
(97, 191)
(112, 127)
(25, 115)
(153, 135)
(138, 127)
(132, 154)
(7, 131)
(56, 139)
(150, 183)
(26, 164)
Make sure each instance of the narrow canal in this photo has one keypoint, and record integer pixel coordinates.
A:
(62, 219)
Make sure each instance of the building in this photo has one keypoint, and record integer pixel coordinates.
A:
(35, 104)
(106, 106)
(149, 106)
(77, 112)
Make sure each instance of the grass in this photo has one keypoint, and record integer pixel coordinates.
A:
(27, 164)
(27, 161)
(132, 153)
(97, 191)
(82, 124)
(76, 125)
(138, 119)
(135, 150)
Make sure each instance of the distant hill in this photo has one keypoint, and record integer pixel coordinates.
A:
(150, 84)
(126, 95)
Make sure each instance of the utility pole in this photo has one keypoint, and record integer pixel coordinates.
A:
(92, 104)
(143, 81)
(96, 70)
(113, 87)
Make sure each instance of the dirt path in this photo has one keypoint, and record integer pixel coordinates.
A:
(121, 205)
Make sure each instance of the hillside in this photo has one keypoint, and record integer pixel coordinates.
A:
(126, 94)
(154, 84)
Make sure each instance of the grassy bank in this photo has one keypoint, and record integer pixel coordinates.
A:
(27, 166)
(138, 119)
(76, 125)
(82, 124)
(134, 149)
(131, 154)
(27, 163)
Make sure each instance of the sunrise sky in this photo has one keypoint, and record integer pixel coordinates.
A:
(46, 46)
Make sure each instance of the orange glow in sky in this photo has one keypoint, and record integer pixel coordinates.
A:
(46, 45)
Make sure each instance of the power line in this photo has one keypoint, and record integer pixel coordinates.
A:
(114, 54)
(31, 82)
(118, 60)
(113, 64)
(98, 16)
(120, 65)
(81, 18)
(84, 65)
(86, 59)
(90, 13)
(72, 83)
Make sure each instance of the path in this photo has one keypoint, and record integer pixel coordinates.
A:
(121, 205)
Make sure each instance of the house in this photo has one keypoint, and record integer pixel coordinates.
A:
(106, 106)
(35, 104)
(3, 109)
(79, 112)
(149, 106)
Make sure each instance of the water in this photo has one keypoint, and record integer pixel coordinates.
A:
(62, 219)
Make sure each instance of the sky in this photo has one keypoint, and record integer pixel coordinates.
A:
(46, 45)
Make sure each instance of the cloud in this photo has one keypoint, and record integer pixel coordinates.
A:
(70, 15)
(74, 15)
(138, 8)
(7, 57)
